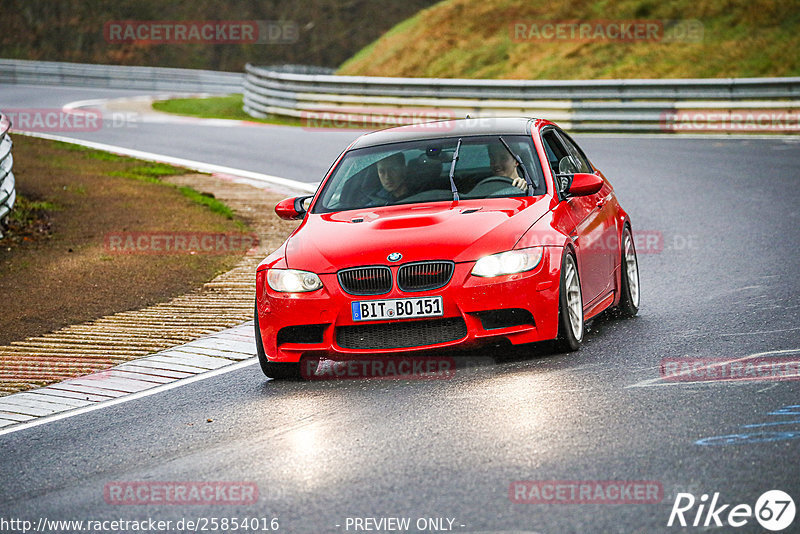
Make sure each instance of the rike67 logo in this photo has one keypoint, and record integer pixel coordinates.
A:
(774, 510)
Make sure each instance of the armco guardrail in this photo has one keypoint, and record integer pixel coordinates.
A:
(7, 191)
(118, 77)
(724, 105)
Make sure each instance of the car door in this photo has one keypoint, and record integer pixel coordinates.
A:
(591, 226)
(604, 213)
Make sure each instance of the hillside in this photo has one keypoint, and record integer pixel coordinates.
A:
(511, 39)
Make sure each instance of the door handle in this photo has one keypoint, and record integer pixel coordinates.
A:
(601, 203)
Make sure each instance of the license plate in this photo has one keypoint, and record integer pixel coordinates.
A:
(377, 310)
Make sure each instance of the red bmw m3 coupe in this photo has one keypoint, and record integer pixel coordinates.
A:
(446, 234)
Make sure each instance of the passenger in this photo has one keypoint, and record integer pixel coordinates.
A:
(503, 164)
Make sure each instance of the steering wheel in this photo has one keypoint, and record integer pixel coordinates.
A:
(491, 179)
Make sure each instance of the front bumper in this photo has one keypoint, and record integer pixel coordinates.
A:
(522, 308)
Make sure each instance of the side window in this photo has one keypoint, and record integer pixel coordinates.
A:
(577, 155)
(558, 157)
(554, 149)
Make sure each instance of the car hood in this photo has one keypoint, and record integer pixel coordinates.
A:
(462, 231)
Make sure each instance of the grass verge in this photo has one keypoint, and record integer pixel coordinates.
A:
(218, 107)
(55, 265)
(152, 172)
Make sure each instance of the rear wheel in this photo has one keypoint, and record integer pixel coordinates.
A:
(570, 307)
(629, 292)
(276, 370)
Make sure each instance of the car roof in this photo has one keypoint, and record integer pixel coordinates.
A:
(447, 128)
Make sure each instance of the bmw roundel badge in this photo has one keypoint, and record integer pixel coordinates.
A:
(394, 256)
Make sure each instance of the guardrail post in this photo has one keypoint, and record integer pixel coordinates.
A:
(8, 194)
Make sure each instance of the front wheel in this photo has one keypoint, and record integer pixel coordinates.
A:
(629, 291)
(570, 307)
(276, 370)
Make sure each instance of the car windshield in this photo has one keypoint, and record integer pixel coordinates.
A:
(419, 171)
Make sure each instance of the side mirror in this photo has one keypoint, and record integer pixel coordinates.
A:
(584, 184)
(567, 165)
(293, 208)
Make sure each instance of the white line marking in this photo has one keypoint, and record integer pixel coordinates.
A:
(116, 382)
(181, 162)
(102, 102)
(152, 391)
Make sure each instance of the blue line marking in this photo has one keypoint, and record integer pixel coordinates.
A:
(761, 436)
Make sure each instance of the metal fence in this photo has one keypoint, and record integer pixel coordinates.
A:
(724, 104)
(118, 77)
(318, 97)
(7, 191)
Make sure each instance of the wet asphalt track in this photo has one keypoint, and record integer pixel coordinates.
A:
(725, 285)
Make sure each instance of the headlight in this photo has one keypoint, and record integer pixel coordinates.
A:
(513, 261)
(293, 281)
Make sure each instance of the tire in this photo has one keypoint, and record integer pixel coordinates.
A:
(275, 370)
(570, 307)
(629, 277)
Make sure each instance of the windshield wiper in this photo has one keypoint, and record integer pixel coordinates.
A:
(453, 171)
(518, 159)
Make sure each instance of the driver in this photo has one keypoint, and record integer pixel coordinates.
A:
(392, 174)
(503, 164)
